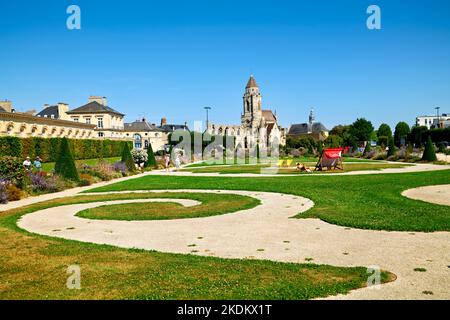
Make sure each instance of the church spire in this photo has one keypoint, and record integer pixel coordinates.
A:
(251, 83)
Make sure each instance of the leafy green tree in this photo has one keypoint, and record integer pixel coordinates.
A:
(151, 160)
(402, 131)
(334, 141)
(361, 129)
(429, 153)
(127, 158)
(65, 164)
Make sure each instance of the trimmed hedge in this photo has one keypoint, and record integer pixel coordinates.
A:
(65, 164)
(48, 148)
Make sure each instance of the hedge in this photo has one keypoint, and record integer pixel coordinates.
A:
(48, 148)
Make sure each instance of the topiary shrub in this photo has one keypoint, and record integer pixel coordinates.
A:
(151, 161)
(429, 153)
(65, 164)
(127, 158)
(391, 148)
(367, 149)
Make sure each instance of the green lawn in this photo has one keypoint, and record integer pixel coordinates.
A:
(310, 160)
(211, 204)
(34, 267)
(49, 166)
(360, 201)
(257, 168)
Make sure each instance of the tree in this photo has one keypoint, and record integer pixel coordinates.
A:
(391, 146)
(429, 153)
(65, 164)
(127, 158)
(384, 133)
(151, 160)
(401, 132)
(361, 129)
(319, 148)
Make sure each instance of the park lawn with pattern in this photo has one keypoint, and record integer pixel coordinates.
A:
(372, 201)
(34, 267)
(211, 204)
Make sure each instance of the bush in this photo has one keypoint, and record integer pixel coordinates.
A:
(40, 183)
(367, 149)
(151, 160)
(13, 192)
(12, 169)
(127, 158)
(429, 153)
(119, 166)
(85, 180)
(65, 164)
(391, 150)
(47, 148)
(139, 156)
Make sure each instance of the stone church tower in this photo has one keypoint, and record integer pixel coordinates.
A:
(252, 115)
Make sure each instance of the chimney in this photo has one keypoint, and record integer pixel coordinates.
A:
(98, 99)
(62, 109)
(7, 105)
(163, 121)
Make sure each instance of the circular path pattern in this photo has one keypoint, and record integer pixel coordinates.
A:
(439, 194)
(269, 232)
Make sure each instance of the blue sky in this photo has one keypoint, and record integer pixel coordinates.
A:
(172, 58)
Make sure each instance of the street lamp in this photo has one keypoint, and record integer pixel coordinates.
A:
(207, 119)
(438, 117)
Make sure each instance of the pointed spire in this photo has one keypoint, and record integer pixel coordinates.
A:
(251, 83)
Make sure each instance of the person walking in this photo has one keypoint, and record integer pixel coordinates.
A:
(167, 162)
(27, 164)
(177, 161)
(37, 164)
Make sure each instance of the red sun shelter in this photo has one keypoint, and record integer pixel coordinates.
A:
(331, 159)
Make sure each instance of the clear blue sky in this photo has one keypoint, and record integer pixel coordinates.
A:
(172, 58)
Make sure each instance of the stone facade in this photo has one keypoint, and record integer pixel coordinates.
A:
(257, 125)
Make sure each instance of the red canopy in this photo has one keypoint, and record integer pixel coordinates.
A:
(333, 153)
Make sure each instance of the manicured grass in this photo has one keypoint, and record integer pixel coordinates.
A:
(48, 166)
(312, 160)
(211, 204)
(360, 201)
(34, 267)
(257, 168)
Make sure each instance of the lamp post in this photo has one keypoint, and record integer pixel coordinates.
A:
(207, 119)
(438, 117)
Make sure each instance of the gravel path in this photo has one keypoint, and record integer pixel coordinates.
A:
(267, 232)
(439, 194)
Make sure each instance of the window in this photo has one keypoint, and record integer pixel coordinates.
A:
(88, 120)
(146, 144)
(101, 134)
(100, 122)
(76, 119)
(137, 141)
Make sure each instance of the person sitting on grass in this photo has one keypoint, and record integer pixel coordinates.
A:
(301, 167)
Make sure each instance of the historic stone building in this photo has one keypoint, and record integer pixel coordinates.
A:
(257, 125)
(314, 129)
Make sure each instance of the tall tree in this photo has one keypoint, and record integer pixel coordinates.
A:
(65, 164)
(384, 131)
(401, 133)
(391, 147)
(361, 129)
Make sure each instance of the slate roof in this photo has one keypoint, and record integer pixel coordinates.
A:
(48, 112)
(173, 127)
(94, 107)
(302, 128)
(140, 125)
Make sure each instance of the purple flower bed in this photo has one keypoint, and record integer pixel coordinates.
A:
(3, 194)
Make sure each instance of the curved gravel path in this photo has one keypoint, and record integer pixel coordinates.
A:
(439, 194)
(267, 232)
